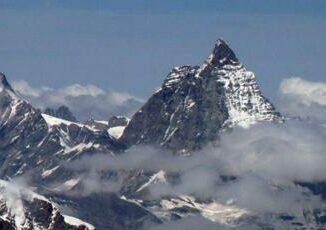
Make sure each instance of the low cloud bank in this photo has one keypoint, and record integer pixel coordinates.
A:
(266, 161)
(85, 101)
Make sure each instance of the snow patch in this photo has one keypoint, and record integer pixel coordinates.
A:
(159, 177)
(214, 211)
(102, 122)
(54, 121)
(77, 148)
(116, 132)
(48, 172)
(67, 185)
(77, 222)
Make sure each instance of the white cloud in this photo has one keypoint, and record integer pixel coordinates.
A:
(302, 98)
(77, 90)
(267, 160)
(24, 88)
(85, 101)
(306, 91)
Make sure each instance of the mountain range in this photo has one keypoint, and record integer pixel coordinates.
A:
(193, 106)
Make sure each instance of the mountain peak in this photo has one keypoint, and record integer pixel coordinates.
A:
(222, 54)
(4, 84)
(194, 104)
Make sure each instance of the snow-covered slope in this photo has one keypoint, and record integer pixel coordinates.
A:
(244, 100)
(194, 103)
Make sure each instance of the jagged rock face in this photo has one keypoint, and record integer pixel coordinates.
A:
(113, 122)
(95, 124)
(195, 103)
(175, 116)
(23, 209)
(62, 112)
(118, 121)
(31, 140)
(17, 115)
(21, 128)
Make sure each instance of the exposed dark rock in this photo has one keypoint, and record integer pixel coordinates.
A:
(118, 121)
(62, 112)
(107, 211)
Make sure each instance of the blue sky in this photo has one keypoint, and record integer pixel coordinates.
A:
(130, 46)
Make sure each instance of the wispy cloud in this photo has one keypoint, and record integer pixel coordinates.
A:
(302, 98)
(85, 101)
(306, 91)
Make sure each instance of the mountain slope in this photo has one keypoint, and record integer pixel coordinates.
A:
(38, 146)
(24, 209)
(195, 103)
(31, 140)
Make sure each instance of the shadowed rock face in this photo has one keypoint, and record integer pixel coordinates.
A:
(108, 211)
(195, 103)
(181, 115)
(6, 225)
(62, 112)
(118, 121)
(222, 55)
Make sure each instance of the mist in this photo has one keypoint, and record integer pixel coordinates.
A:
(266, 161)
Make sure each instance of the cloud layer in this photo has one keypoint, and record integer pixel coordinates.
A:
(307, 92)
(85, 101)
(302, 98)
(267, 161)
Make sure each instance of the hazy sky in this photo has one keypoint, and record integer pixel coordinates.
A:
(130, 46)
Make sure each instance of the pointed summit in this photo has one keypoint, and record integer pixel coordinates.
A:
(4, 84)
(195, 103)
(222, 55)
